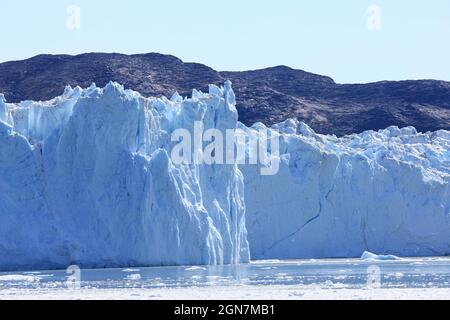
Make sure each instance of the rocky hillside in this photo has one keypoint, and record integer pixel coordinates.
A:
(268, 95)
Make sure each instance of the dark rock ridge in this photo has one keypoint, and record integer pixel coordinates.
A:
(269, 95)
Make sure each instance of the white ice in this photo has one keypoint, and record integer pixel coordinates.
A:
(382, 191)
(86, 179)
(374, 257)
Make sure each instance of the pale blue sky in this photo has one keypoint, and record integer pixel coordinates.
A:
(327, 37)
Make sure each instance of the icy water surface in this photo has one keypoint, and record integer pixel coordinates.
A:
(349, 273)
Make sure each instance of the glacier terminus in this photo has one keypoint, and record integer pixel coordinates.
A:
(87, 178)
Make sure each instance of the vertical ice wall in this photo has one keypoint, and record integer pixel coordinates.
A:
(385, 192)
(87, 179)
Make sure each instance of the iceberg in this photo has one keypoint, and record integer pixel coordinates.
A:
(88, 179)
(369, 256)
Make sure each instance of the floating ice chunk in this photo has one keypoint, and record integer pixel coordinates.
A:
(134, 277)
(370, 256)
(131, 270)
(18, 278)
(195, 268)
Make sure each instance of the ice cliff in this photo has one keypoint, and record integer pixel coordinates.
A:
(385, 192)
(87, 179)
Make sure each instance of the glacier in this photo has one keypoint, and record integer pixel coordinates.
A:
(87, 179)
(385, 192)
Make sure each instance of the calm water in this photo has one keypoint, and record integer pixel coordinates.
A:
(350, 273)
